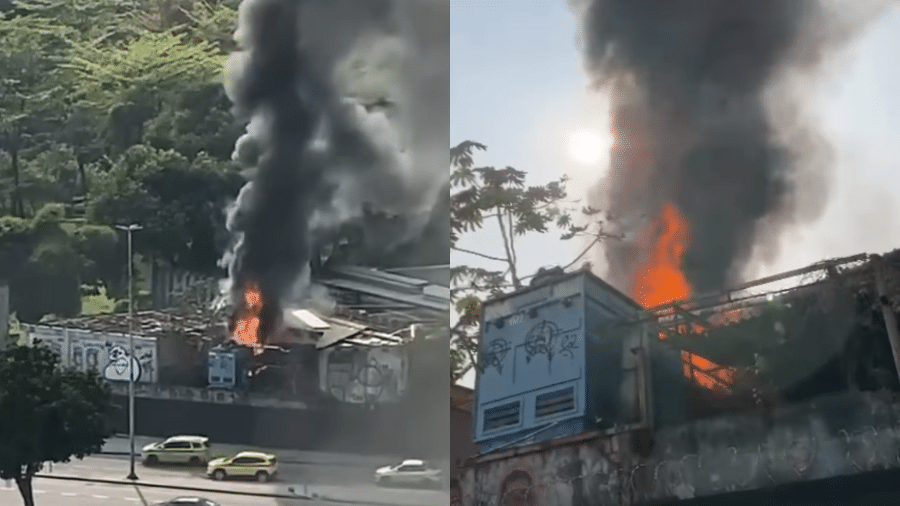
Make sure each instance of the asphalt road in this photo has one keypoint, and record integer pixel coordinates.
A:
(344, 484)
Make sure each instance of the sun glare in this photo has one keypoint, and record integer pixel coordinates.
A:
(587, 147)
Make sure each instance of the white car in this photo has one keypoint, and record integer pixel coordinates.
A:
(192, 450)
(189, 501)
(409, 472)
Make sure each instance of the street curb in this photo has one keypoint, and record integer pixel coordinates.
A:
(286, 461)
(210, 490)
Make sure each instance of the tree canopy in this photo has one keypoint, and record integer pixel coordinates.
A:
(483, 196)
(50, 414)
(111, 111)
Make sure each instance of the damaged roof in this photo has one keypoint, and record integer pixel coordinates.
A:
(740, 308)
(161, 323)
(335, 331)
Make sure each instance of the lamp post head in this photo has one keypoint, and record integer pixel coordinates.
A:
(130, 228)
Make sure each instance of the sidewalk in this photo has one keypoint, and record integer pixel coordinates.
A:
(119, 445)
(363, 495)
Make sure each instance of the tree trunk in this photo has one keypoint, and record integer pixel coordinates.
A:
(82, 174)
(18, 208)
(24, 484)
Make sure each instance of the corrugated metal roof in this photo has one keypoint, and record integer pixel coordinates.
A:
(391, 286)
(436, 274)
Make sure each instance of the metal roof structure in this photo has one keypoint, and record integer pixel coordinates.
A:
(335, 331)
(162, 323)
(437, 274)
(389, 290)
(387, 302)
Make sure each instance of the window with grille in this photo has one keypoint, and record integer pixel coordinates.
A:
(501, 417)
(555, 403)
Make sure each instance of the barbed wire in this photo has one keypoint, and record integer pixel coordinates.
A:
(692, 475)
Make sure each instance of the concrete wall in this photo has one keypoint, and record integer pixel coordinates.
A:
(838, 435)
(364, 374)
(106, 352)
(341, 428)
(462, 445)
(416, 427)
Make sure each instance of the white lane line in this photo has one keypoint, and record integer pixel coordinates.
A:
(100, 496)
(68, 494)
(133, 499)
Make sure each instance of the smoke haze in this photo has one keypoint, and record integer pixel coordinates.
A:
(699, 121)
(348, 108)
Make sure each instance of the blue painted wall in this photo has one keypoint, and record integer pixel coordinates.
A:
(551, 361)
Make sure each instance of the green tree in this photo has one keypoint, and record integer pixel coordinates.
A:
(30, 92)
(48, 251)
(50, 414)
(179, 202)
(488, 195)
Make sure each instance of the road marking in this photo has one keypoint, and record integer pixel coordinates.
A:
(68, 494)
(133, 499)
(100, 496)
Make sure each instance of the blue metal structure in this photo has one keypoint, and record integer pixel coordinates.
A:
(227, 365)
(552, 361)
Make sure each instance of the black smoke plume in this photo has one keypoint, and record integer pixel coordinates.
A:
(330, 95)
(691, 83)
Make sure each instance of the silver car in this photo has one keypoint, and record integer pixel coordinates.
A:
(193, 450)
(189, 501)
(409, 472)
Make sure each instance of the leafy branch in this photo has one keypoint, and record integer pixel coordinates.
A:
(484, 195)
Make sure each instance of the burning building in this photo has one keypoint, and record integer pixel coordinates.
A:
(782, 387)
(356, 350)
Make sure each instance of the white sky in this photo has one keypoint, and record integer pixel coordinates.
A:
(518, 86)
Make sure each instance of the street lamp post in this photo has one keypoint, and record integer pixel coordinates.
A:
(130, 228)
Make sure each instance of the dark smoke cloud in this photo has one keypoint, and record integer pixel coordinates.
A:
(690, 84)
(333, 91)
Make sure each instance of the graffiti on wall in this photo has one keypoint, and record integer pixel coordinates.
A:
(594, 472)
(545, 338)
(102, 352)
(119, 364)
(494, 354)
(365, 375)
(525, 358)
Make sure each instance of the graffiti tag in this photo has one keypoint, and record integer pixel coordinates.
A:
(117, 368)
(545, 338)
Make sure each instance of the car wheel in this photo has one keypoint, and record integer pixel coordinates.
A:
(262, 476)
(384, 481)
(152, 460)
(218, 475)
(195, 461)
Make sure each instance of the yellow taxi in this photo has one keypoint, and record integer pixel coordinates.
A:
(261, 466)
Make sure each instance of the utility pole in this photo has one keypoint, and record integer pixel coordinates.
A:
(130, 228)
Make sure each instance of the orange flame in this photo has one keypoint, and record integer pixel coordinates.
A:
(659, 279)
(246, 328)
